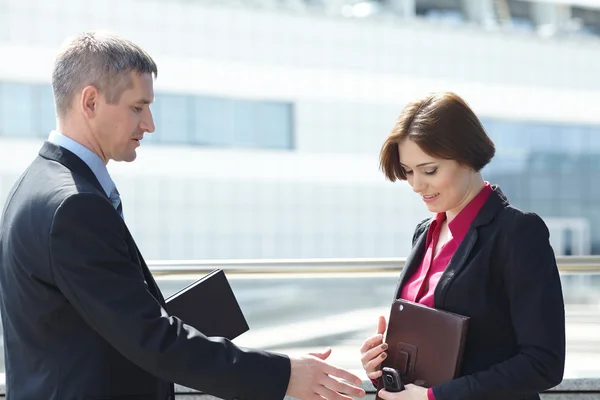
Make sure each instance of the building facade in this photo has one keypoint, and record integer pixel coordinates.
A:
(270, 117)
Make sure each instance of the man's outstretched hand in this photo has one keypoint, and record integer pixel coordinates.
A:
(313, 379)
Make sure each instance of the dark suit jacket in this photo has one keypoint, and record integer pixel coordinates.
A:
(504, 276)
(84, 319)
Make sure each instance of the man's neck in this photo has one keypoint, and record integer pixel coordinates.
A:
(81, 135)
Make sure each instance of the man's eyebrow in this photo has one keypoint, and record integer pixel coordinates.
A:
(144, 101)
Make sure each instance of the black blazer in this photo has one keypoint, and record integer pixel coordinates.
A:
(84, 319)
(504, 276)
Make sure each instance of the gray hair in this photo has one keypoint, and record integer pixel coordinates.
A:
(102, 60)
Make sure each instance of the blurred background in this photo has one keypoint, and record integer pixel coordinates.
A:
(269, 119)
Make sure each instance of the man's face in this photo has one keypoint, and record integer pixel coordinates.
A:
(119, 128)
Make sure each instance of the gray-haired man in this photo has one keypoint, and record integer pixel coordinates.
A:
(83, 318)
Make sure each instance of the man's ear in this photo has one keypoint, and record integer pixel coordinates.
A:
(88, 103)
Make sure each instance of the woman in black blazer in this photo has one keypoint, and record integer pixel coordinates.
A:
(479, 257)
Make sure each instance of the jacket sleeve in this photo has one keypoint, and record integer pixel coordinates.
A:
(533, 287)
(92, 267)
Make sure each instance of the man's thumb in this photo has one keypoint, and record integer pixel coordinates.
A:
(322, 355)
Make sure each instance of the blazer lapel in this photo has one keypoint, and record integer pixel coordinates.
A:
(50, 151)
(456, 263)
(492, 206)
(150, 282)
(152, 285)
(412, 262)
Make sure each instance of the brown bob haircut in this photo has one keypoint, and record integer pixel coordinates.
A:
(443, 126)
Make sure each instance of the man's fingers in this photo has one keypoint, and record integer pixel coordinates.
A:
(383, 394)
(375, 374)
(342, 374)
(343, 387)
(381, 325)
(371, 342)
(329, 394)
(323, 355)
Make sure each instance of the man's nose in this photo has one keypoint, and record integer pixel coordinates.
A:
(148, 123)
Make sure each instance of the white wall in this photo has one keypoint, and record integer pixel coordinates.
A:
(384, 45)
(235, 51)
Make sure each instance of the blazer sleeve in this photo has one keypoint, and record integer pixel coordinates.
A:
(533, 287)
(92, 267)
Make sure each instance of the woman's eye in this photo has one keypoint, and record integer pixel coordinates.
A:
(431, 172)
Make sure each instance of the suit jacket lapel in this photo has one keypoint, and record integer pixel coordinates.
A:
(50, 151)
(152, 285)
(490, 209)
(492, 206)
(457, 262)
(150, 282)
(412, 262)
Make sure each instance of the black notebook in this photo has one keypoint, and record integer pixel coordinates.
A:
(210, 306)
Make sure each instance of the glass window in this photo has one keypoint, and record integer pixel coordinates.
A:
(275, 124)
(44, 109)
(541, 185)
(28, 110)
(594, 138)
(246, 123)
(506, 135)
(543, 136)
(575, 138)
(214, 121)
(572, 186)
(172, 118)
(17, 111)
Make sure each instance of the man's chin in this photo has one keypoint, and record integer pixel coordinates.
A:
(127, 157)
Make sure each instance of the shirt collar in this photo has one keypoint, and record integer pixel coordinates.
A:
(92, 160)
(462, 222)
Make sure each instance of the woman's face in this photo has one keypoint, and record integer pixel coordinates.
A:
(444, 185)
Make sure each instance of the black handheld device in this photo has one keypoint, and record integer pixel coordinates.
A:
(391, 380)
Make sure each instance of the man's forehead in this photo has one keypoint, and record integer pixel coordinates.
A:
(142, 90)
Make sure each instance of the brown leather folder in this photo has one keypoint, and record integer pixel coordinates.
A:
(425, 344)
(210, 306)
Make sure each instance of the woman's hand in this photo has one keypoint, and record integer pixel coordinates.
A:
(410, 392)
(373, 351)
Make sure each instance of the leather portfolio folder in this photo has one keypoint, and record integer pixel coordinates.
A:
(210, 306)
(425, 344)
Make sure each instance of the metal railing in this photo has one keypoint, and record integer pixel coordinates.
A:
(566, 264)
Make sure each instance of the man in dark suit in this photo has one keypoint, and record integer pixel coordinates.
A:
(83, 318)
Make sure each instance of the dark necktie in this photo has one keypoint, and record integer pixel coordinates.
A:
(115, 199)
